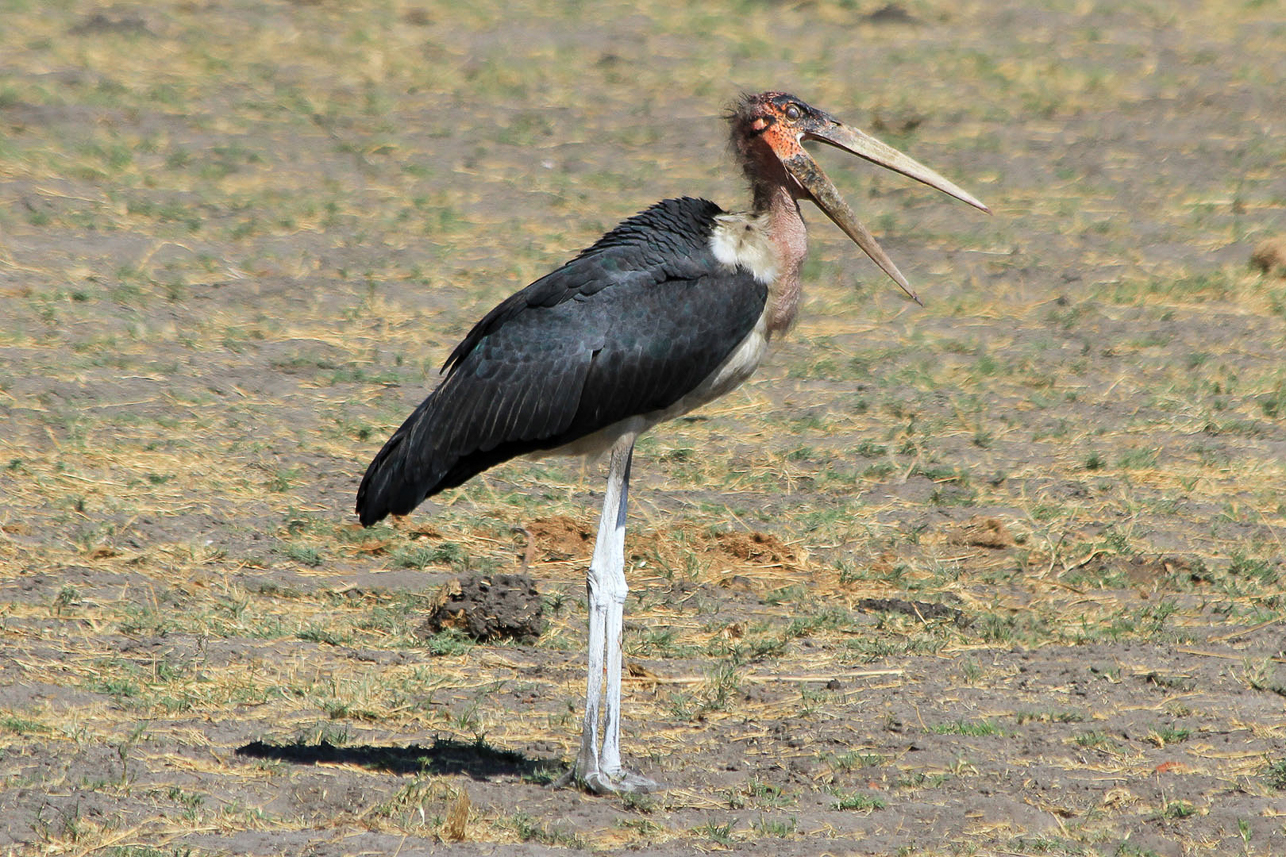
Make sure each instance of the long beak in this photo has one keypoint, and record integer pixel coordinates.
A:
(806, 171)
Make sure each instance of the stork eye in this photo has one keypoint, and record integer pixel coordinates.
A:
(793, 112)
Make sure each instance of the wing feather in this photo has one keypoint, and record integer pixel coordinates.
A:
(627, 328)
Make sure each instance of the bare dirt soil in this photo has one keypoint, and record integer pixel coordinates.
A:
(1002, 575)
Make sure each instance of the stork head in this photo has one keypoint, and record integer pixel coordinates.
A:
(768, 133)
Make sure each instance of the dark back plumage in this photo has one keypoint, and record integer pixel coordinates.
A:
(627, 328)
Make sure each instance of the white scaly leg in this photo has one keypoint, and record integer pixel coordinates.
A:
(587, 759)
(609, 760)
(601, 771)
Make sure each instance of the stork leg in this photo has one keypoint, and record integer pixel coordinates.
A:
(599, 766)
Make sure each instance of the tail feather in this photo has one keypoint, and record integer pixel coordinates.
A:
(429, 453)
(404, 472)
(383, 491)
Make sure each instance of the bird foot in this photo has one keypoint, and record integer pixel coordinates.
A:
(621, 782)
(617, 782)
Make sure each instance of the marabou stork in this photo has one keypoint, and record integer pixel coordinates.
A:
(668, 311)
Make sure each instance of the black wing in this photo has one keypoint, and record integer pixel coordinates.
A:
(628, 327)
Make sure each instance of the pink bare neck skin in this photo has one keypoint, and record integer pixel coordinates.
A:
(776, 193)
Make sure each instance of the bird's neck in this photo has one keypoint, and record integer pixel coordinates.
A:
(778, 205)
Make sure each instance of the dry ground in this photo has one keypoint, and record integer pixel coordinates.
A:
(1003, 575)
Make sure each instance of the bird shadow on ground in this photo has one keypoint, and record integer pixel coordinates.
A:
(477, 760)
